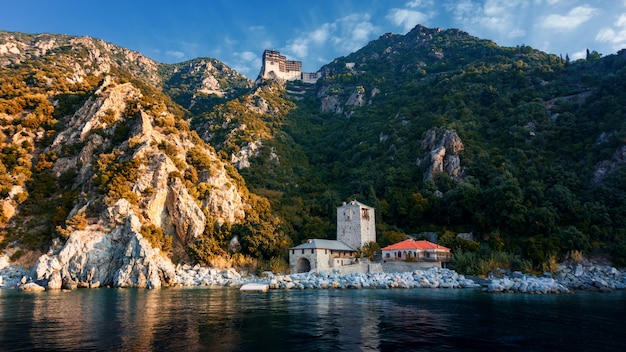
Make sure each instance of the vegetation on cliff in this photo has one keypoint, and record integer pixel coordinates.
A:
(540, 174)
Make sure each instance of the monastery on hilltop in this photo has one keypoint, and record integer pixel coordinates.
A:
(276, 66)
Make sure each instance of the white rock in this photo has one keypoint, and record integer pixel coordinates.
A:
(31, 287)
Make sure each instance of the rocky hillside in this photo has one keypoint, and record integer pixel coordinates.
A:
(101, 170)
(115, 166)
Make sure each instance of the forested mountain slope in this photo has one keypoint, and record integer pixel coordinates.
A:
(443, 132)
(438, 130)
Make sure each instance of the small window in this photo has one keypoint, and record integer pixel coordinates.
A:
(303, 251)
(311, 250)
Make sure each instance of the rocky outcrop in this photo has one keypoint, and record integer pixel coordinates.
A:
(520, 283)
(332, 101)
(443, 146)
(184, 215)
(94, 258)
(589, 276)
(110, 248)
(241, 160)
(605, 167)
(357, 98)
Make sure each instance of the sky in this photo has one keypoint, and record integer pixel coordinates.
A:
(316, 31)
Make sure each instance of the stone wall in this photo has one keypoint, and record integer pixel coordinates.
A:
(360, 267)
(402, 266)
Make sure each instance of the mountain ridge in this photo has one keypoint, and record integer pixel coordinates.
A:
(438, 130)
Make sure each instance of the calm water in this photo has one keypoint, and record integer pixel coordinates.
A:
(193, 319)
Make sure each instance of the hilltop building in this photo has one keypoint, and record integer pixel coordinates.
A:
(276, 66)
(356, 226)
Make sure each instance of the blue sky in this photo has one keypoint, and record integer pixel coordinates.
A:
(317, 31)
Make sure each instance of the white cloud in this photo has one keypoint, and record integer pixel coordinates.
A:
(579, 55)
(299, 49)
(176, 55)
(606, 35)
(246, 62)
(621, 20)
(494, 19)
(247, 56)
(516, 33)
(616, 35)
(496, 15)
(421, 3)
(321, 35)
(571, 20)
(549, 2)
(339, 37)
(407, 19)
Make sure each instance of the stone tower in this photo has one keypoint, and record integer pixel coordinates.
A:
(356, 224)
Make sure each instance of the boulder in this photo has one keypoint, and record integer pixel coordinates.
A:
(121, 258)
(31, 287)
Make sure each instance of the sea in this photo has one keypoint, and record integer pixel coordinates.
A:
(225, 319)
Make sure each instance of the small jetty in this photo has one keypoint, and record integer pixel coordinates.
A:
(255, 287)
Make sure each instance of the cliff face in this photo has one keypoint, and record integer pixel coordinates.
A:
(443, 146)
(105, 163)
(156, 195)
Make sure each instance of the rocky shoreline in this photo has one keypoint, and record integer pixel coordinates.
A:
(568, 278)
(430, 278)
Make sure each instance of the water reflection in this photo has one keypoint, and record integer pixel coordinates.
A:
(201, 319)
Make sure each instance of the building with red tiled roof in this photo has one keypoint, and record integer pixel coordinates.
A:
(417, 251)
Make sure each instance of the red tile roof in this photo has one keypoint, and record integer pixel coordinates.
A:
(411, 244)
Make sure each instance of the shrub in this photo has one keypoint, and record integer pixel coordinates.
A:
(550, 265)
(16, 255)
(278, 265)
(466, 262)
(575, 256)
(156, 237)
(108, 117)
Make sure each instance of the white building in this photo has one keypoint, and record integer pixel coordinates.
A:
(276, 66)
(417, 251)
(320, 255)
(356, 227)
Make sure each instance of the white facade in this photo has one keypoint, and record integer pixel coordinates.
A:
(356, 224)
(276, 65)
(320, 255)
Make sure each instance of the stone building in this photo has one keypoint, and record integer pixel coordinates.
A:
(276, 66)
(356, 227)
(356, 224)
(320, 255)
